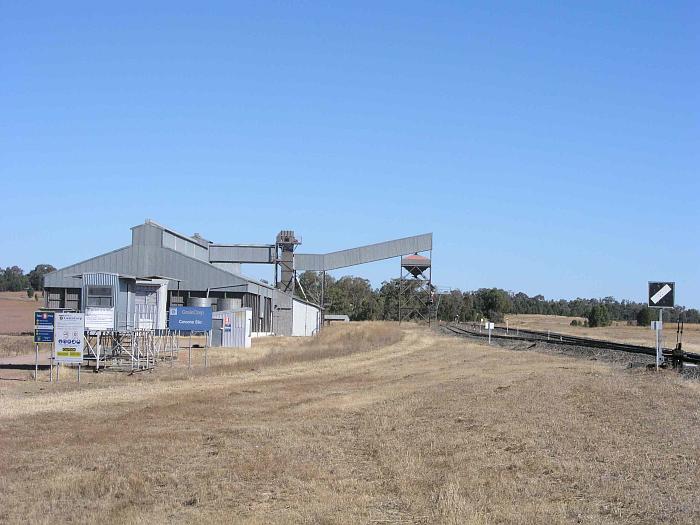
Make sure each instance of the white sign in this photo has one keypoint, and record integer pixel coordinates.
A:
(69, 340)
(661, 293)
(657, 325)
(489, 326)
(99, 318)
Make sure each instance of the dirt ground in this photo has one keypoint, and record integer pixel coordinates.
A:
(17, 312)
(619, 331)
(368, 423)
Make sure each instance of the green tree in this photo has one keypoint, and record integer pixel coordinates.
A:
(388, 296)
(36, 276)
(644, 317)
(12, 279)
(599, 316)
(450, 306)
(493, 303)
(353, 296)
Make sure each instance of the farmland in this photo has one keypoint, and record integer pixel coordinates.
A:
(17, 312)
(370, 423)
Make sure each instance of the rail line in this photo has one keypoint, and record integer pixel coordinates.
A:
(500, 332)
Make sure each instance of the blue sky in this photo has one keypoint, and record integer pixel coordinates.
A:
(551, 147)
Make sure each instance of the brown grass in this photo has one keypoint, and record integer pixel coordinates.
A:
(333, 342)
(12, 345)
(619, 331)
(418, 429)
(17, 312)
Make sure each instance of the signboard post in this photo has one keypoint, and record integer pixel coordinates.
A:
(662, 294)
(69, 340)
(191, 319)
(43, 333)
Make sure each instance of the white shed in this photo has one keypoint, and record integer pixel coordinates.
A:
(232, 328)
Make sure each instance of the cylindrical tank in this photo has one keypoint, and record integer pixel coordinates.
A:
(228, 303)
(200, 301)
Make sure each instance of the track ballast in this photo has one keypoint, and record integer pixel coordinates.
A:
(519, 334)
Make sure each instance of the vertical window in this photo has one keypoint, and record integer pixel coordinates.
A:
(99, 296)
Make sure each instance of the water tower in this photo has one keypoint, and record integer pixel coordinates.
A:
(415, 288)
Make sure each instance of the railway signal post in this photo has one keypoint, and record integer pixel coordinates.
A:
(662, 295)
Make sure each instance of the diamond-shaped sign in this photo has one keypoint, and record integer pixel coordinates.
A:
(662, 294)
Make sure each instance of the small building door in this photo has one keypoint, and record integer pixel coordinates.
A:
(146, 307)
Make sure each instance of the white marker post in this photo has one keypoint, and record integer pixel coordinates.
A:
(659, 349)
(658, 339)
(489, 327)
(657, 326)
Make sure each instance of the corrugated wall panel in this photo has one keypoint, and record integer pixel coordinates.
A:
(195, 274)
(309, 262)
(242, 254)
(109, 262)
(364, 254)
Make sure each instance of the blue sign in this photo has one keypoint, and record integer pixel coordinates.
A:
(43, 327)
(43, 319)
(190, 318)
(43, 336)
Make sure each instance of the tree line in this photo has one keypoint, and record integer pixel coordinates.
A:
(13, 279)
(357, 298)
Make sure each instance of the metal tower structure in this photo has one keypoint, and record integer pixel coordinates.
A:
(285, 273)
(416, 291)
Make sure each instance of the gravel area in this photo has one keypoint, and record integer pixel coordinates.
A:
(615, 357)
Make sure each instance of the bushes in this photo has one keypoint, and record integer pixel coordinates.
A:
(599, 316)
(644, 317)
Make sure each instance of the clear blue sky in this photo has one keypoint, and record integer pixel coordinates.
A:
(552, 147)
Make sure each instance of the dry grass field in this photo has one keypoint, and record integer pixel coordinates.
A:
(619, 331)
(368, 423)
(13, 345)
(17, 312)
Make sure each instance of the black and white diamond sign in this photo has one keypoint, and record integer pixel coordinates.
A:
(662, 294)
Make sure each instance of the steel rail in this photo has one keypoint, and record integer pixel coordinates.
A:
(570, 340)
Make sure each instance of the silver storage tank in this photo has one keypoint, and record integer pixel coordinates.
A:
(199, 301)
(228, 303)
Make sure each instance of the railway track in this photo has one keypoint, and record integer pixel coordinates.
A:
(501, 333)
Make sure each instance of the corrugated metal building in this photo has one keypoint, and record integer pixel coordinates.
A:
(133, 286)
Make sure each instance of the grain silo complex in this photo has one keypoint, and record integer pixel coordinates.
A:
(133, 287)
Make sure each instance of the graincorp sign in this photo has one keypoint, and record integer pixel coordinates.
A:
(69, 340)
(190, 318)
